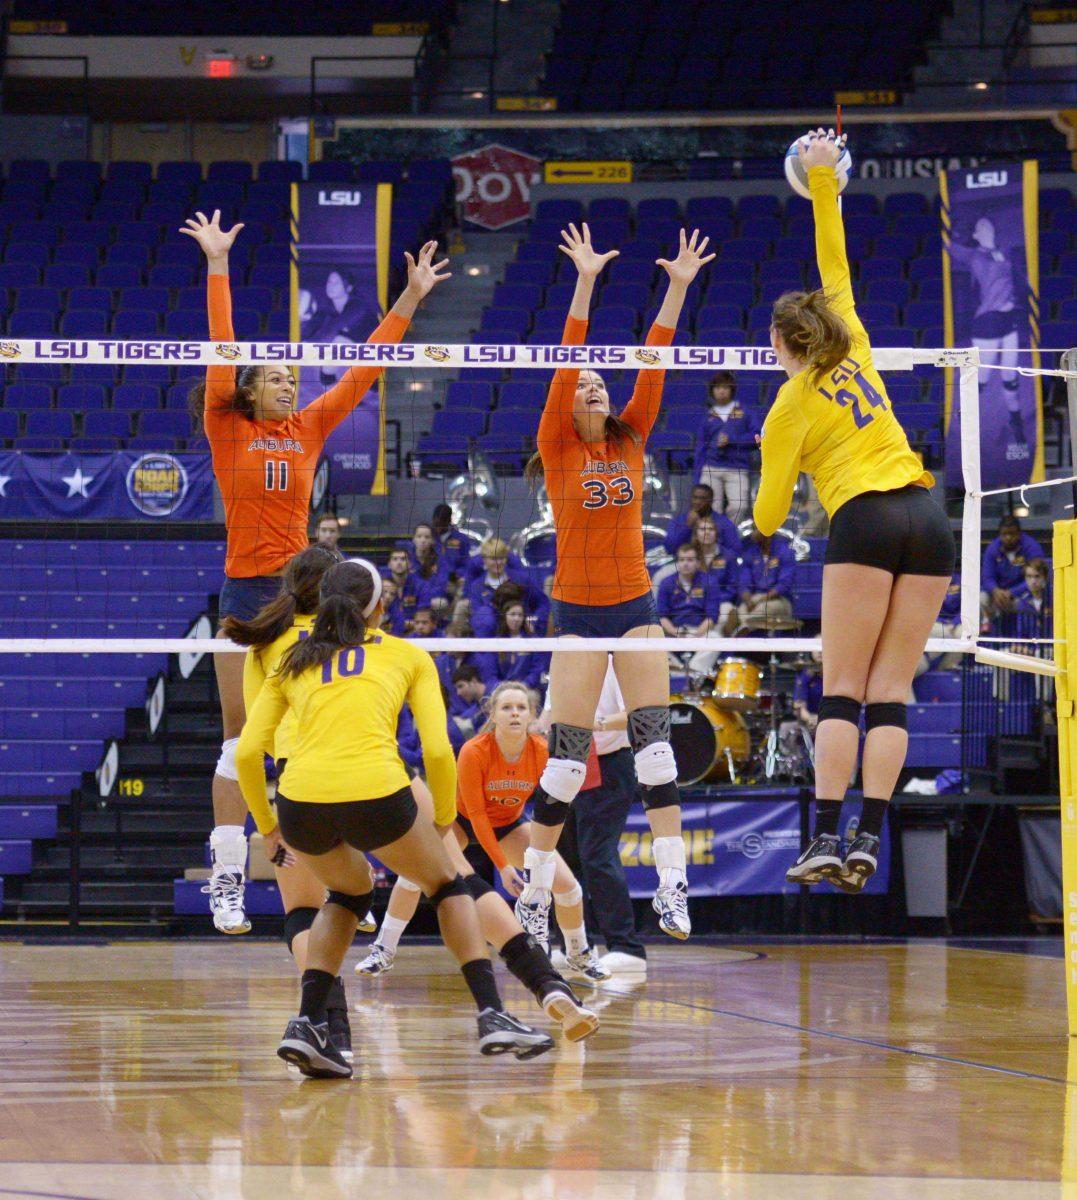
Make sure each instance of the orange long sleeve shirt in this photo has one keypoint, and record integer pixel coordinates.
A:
(491, 792)
(265, 469)
(596, 489)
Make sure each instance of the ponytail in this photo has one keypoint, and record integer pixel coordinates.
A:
(617, 431)
(346, 590)
(812, 330)
(242, 400)
(300, 582)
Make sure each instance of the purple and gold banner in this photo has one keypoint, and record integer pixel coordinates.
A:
(339, 283)
(990, 263)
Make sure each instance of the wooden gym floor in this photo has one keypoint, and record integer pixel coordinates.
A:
(911, 1070)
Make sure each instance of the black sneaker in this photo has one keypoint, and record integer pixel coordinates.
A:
(821, 860)
(309, 1048)
(861, 862)
(340, 1032)
(499, 1032)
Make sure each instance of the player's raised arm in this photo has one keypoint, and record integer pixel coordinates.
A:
(215, 243)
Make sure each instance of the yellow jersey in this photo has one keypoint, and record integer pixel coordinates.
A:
(839, 428)
(258, 664)
(346, 711)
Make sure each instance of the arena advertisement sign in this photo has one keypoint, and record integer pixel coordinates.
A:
(493, 185)
(735, 848)
(339, 285)
(990, 262)
(124, 486)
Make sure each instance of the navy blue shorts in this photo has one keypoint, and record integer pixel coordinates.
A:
(500, 832)
(245, 598)
(604, 620)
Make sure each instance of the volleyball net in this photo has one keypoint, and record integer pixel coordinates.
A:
(415, 361)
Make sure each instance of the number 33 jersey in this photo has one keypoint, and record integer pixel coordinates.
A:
(839, 428)
(596, 489)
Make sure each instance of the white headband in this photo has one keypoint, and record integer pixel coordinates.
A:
(375, 574)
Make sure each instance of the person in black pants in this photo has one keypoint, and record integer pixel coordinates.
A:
(596, 821)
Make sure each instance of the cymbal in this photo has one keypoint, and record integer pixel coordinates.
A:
(771, 624)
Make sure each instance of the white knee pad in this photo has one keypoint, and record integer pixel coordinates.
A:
(569, 899)
(226, 764)
(655, 764)
(562, 779)
(407, 885)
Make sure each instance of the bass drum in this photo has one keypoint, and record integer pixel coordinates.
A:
(700, 733)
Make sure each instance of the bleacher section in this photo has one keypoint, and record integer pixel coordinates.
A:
(763, 249)
(653, 55)
(92, 254)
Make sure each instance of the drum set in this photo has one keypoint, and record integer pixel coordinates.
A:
(739, 726)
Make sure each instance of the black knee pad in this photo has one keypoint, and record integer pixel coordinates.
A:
(661, 795)
(359, 906)
(455, 887)
(569, 741)
(477, 886)
(887, 713)
(297, 921)
(648, 725)
(545, 811)
(840, 708)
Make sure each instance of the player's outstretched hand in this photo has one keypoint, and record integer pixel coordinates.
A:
(215, 241)
(685, 267)
(423, 273)
(820, 148)
(578, 247)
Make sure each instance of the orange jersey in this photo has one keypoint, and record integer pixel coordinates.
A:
(596, 489)
(491, 792)
(265, 470)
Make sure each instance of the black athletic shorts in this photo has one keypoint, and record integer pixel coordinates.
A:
(313, 828)
(500, 831)
(904, 532)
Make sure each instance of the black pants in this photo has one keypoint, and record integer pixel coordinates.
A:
(600, 815)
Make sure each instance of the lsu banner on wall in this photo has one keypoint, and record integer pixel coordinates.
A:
(990, 262)
(339, 285)
(735, 848)
(124, 486)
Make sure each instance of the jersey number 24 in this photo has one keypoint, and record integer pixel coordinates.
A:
(843, 373)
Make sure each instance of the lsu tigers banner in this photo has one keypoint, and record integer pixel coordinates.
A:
(737, 848)
(340, 273)
(990, 263)
(123, 486)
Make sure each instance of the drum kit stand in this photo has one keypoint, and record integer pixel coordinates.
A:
(739, 725)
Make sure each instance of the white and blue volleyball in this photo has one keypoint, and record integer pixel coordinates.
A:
(798, 176)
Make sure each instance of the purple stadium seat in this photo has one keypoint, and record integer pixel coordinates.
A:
(518, 295)
(98, 298)
(30, 169)
(32, 323)
(331, 170)
(83, 323)
(522, 394)
(187, 325)
(536, 273)
(497, 323)
(117, 275)
(80, 397)
(136, 397)
(171, 276)
(634, 295)
(48, 423)
(166, 423)
(38, 297)
(136, 324)
(80, 170)
(67, 275)
(609, 208)
(133, 254)
(458, 423)
(904, 203)
(280, 172)
(278, 325)
(559, 210)
(179, 172)
(32, 254)
(76, 254)
(23, 397)
(230, 171)
(876, 312)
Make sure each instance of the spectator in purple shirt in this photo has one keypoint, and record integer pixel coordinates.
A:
(948, 625)
(470, 691)
(766, 578)
(701, 504)
(454, 546)
(495, 574)
(393, 619)
(413, 591)
(687, 606)
(526, 666)
(1002, 578)
(725, 445)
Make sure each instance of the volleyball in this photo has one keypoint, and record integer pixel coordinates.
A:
(798, 177)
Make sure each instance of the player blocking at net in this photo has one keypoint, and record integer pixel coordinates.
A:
(592, 460)
(890, 555)
(265, 453)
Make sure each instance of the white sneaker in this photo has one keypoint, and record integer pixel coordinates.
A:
(585, 966)
(368, 924)
(377, 962)
(535, 918)
(619, 963)
(671, 905)
(225, 891)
